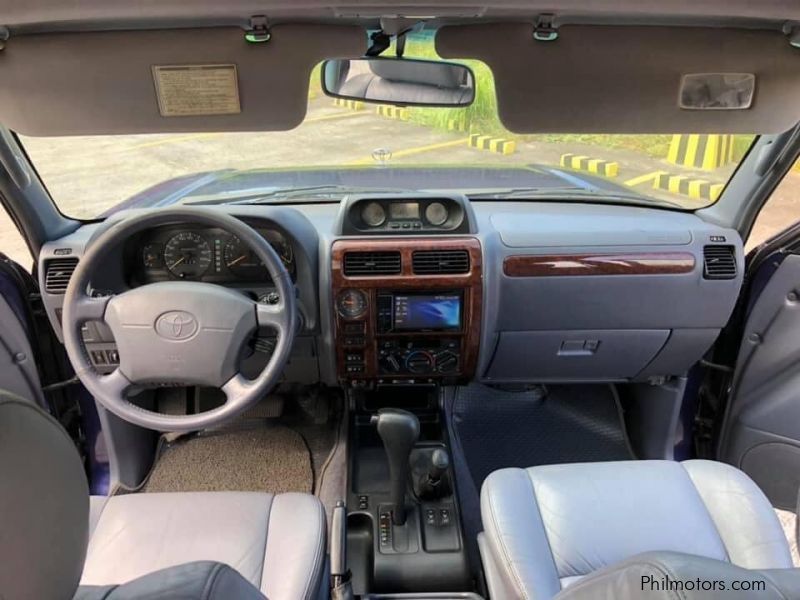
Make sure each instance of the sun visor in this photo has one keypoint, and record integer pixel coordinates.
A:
(613, 79)
(185, 80)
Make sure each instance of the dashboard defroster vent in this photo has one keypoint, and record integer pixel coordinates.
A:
(57, 272)
(719, 262)
(371, 263)
(440, 262)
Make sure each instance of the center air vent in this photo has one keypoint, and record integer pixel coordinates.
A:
(371, 263)
(440, 262)
(719, 262)
(57, 272)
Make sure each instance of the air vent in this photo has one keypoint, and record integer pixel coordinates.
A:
(371, 263)
(719, 262)
(440, 262)
(57, 272)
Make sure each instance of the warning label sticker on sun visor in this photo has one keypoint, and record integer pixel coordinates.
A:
(197, 90)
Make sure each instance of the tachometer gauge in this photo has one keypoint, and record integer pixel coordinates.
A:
(284, 250)
(351, 304)
(242, 261)
(187, 255)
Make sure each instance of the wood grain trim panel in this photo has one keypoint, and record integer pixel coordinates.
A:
(470, 284)
(622, 263)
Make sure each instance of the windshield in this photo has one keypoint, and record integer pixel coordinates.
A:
(347, 146)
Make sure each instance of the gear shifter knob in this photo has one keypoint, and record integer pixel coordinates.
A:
(440, 462)
(399, 430)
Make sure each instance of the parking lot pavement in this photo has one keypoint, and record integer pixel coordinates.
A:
(89, 174)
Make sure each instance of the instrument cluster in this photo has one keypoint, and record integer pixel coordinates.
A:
(203, 254)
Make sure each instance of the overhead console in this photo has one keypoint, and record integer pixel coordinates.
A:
(407, 310)
(399, 215)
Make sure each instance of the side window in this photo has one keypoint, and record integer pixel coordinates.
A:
(12, 244)
(781, 210)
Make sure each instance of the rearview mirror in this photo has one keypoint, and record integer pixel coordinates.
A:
(401, 81)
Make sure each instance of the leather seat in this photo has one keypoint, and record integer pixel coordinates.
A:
(277, 542)
(208, 545)
(548, 527)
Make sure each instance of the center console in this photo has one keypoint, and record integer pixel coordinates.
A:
(408, 310)
(404, 533)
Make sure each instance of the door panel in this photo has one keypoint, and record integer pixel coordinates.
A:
(761, 431)
(18, 371)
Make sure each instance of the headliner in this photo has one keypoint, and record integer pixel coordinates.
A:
(60, 14)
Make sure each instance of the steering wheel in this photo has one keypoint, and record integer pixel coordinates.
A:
(178, 332)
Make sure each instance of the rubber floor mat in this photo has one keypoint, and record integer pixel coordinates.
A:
(271, 459)
(549, 425)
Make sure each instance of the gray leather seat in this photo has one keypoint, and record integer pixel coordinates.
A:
(276, 542)
(154, 543)
(395, 80)
(547, 527)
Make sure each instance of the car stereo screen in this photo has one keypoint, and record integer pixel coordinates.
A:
(442, 311)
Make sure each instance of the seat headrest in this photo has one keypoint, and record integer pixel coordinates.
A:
(415, 72)
(44, 503)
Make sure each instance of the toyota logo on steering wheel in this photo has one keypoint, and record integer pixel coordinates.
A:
(176, 325)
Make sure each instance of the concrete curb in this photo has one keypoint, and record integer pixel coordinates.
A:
(688, 186)
(492, 144)
(596, 166)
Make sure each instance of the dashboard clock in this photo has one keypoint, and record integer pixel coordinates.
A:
(351, 304)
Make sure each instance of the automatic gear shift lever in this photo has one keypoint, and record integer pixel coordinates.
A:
(399, 430)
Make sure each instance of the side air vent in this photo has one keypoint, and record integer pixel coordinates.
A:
(440, 262)
(371, 263)
(57, 272)
(719, 262)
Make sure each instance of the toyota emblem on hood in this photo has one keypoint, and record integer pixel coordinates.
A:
(176, 325)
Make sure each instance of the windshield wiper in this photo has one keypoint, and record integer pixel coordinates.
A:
(312, 192)
(569, 194)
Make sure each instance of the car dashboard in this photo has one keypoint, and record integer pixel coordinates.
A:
(421, 289)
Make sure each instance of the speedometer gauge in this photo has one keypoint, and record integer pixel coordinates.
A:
(187, 255)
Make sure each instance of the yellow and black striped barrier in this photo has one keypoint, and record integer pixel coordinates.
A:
(348, 104)
(492, 144)
(392, 112)
(597, 166)
(688, 186)
(706, 152)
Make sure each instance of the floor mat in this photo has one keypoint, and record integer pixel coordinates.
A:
(267, 458)
(548, 425)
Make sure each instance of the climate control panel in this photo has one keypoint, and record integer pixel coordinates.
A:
(419, 357)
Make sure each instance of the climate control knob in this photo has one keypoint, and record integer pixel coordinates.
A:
(419, 362)
(446, 362)
(390, 364)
